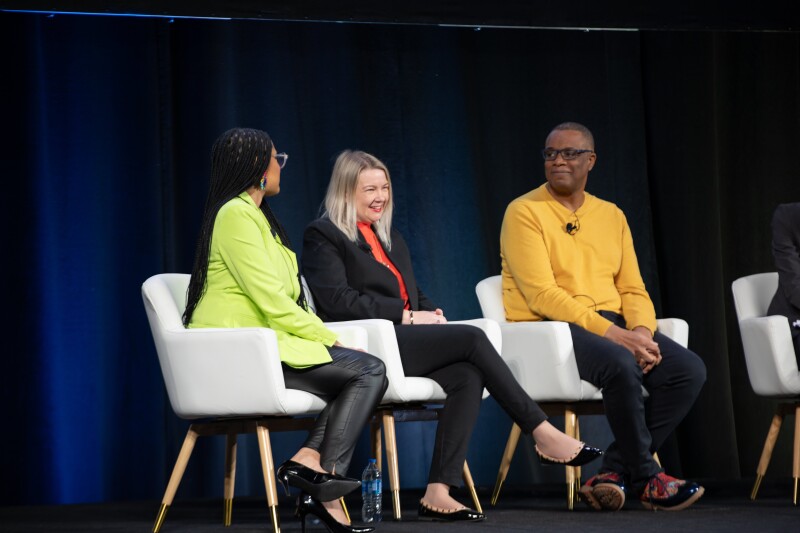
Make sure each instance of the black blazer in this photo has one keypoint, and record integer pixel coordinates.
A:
(346, 281)
(786, 250)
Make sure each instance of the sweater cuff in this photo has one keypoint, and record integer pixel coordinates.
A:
(599, 325)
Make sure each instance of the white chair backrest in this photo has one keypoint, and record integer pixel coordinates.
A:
(753, 294)
(309, 296)
(490, 297)
(767, 342)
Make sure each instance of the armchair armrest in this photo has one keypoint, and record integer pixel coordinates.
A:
(541, 357)
(490, 327)
(382, 343)
(351, 336)
(676, 329)
(247, 380)
(769, 354)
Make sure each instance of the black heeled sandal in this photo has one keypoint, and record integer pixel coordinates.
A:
(306, 504)
(581, 457)
(322, 486)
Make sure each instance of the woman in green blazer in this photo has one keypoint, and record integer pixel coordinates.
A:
(246, 275)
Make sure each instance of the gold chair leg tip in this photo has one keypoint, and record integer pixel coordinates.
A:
(228, 515)
(162, 513)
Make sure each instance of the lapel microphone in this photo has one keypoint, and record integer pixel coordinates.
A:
(571, 228)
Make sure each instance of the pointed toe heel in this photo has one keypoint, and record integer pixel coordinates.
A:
(307, 505)
(322, 486)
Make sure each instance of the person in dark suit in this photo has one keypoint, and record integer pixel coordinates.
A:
(358, 267)
(786, 250)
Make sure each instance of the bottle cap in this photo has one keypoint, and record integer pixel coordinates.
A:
(373, 460)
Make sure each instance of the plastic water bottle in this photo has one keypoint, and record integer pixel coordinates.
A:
(371, 493)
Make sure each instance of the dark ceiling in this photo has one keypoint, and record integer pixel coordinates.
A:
(772, 15)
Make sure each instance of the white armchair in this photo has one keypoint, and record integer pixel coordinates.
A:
(232, 376)
(771, 363)
(541, 357)
(407, 398)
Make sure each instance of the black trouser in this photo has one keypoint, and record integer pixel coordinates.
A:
(462, 360)
(352, 384)
(640, 425)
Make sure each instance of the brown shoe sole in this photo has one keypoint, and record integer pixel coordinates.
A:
(603, 496)
(684, 505)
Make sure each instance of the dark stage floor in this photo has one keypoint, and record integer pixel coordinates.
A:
(724, 507)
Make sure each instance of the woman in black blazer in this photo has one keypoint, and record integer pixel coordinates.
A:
(358, 267)
(786, 250)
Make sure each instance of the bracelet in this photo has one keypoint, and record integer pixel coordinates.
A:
(411, 317)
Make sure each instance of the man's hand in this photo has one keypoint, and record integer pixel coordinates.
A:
(639, 342)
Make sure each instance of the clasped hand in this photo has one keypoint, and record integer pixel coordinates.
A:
(429, 317)
(640, 343)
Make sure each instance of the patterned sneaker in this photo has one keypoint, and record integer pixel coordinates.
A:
(669, 493)
(604, 492)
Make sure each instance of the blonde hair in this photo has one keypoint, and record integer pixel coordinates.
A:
(340, 199)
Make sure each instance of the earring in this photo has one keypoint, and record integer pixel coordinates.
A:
(263, 183)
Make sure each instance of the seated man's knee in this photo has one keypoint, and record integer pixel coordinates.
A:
(621, 367)
(695, 368)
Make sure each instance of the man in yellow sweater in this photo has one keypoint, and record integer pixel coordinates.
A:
(569, 256)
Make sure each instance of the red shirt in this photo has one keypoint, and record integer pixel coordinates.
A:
(380, 255)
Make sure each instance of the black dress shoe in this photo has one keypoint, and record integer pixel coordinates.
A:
(322, 486)
(581, 457)
(463, 515)
(308, 505)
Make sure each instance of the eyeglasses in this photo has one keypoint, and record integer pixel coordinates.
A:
(282, 159)
(568, 154)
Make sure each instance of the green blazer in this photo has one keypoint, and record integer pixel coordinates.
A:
(252, 282)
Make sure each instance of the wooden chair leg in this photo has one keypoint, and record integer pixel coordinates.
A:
(375, 439)
(505, 463)
(570, 423)
(467, 475)
(766, 453)
(268, 468)
(177, 474)
(230, 477)
(391, 459)
(577, 468)
(796, 452)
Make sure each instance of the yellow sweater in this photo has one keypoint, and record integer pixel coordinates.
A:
(549, 274)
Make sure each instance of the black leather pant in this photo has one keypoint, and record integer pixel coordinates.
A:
(640, 425)
(352, 384)
(463, 361)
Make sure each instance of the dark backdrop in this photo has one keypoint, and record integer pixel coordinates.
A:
(107, 126)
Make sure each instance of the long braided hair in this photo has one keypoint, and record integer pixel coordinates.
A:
(239, 157)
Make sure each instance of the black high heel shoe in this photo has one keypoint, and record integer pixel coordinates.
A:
(324, 487)
(581, 457)
(306, 504)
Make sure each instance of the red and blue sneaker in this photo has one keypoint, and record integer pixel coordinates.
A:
(604, 492)
(669, 493)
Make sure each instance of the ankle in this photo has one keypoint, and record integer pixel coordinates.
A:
(309, 458)
(335, 509)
